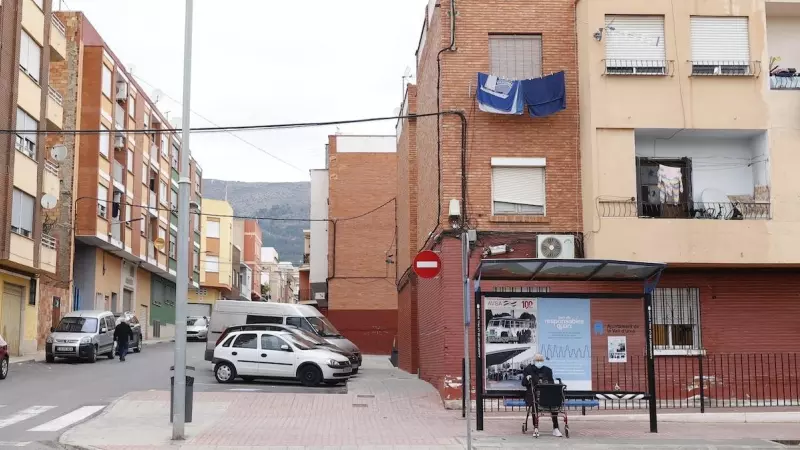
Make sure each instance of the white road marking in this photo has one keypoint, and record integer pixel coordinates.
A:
(69, 418)
(427, 264)
(13, 444)
(25, 414)
(245, 390)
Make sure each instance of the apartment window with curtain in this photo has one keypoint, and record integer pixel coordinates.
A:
(22, 206)
(212, 263)
(145, 177)
(720, 46)
(102, 201)
(515, 57)
(105, 141)
(172, 245)
(518, 186)
(164, 147)
(162, 192)
(26, 142)
(212, 228)
(30, 56)
(676, 320)
(130, 160)
(635, 45)
(106, 81)
(131, 106)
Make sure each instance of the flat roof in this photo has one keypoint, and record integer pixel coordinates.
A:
(533, 269)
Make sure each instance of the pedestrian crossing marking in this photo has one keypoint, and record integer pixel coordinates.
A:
(25, 414)
(13, 444)
(68, 419)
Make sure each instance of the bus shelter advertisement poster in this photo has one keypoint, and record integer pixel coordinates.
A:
(517, 329)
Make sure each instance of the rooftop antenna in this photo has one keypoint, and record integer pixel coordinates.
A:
(157, 95)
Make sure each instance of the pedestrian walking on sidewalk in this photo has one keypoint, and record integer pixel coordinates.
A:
(122, 334)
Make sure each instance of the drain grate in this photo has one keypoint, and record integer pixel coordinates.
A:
(359, 405)
(787, 442)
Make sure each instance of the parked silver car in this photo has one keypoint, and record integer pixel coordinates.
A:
(136, 344)
(197, 328)
(82, 334)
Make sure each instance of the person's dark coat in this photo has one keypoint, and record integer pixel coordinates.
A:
(123, 332)
(538, 375)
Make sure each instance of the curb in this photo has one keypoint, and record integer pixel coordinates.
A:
(103, 412)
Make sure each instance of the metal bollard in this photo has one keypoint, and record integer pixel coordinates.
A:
(189, 395)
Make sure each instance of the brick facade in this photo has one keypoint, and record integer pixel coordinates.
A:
(362, 297)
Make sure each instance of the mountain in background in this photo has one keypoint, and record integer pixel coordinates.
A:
(275, 200)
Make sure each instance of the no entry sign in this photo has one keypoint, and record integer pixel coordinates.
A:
(427, 264)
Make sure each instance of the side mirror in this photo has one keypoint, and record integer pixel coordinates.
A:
(285, 348)
(52, 329)
(103, 330)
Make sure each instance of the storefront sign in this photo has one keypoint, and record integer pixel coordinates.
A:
(622, 329)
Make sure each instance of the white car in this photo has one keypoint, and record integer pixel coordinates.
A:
(253, 353)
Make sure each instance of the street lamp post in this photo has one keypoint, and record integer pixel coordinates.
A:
(182, 274)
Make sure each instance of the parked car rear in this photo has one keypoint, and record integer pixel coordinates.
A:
(136, 344)
(4, 358)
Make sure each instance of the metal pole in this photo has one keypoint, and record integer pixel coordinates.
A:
(651, 363)
(465, 280)
(182, 277)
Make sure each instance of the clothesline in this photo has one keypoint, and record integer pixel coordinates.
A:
(543, 96)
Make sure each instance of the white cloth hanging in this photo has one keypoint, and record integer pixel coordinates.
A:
(670, 184)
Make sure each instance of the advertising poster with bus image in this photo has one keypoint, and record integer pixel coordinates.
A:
(510, 340)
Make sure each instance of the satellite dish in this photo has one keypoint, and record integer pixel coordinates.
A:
(59, 152)
(49, 201)
(159, 243)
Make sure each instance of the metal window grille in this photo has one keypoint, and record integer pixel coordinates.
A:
(676, 319)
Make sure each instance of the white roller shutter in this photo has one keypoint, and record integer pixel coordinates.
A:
(720, 40)
(635, 41)
(518, 185)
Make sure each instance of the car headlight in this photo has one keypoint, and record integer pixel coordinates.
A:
(86, 340)
(49, 339)
(335, 364)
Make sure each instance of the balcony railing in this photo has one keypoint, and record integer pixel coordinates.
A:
(639, 67)
(51, 167)
(784, 83)
(706, 68)
(690, 210)
(54, 94)
(59, 26)
(48, 241)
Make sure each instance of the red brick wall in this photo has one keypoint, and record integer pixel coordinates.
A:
(407, 245)
(408, 327)
(372, 330)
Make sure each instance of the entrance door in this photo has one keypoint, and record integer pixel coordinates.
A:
(56, 314)
(127, 300)
(115, 303)
(12, 316)
(144, 320)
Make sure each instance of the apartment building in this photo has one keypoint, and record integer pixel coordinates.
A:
(362, 298)
(31, 289)
(216, 260)
(521, 183)
(270, 276)
(303, 272)
(251, 256)
(689, 116)
(243, 277)
(125, 184)
(318, 244)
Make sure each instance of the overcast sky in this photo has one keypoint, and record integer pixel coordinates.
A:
(265, 62)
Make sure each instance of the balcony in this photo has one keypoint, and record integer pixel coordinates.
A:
(58, 40)
(51, 184)
(49, 254)
(690, 197)
(55, 110)
(119, 176)
(783, 32)
(116, 235)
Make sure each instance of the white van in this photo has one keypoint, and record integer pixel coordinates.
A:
(229, 313)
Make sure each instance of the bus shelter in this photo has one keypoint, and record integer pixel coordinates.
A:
(513, 326)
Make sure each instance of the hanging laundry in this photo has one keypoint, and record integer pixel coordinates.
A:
(498, 95)
(670, 184)
(546, 95)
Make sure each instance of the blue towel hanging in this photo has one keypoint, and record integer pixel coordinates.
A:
(545, 96)
(498, 95)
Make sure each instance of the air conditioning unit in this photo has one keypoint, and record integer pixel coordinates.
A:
(555, 246)
(119, 141)
(122, 91)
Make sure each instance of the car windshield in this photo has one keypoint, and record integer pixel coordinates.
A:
(323, 327)
(77, 325)
(300, 342)
(196, 322)
(309, 336)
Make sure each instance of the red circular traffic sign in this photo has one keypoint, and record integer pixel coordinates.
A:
(427, 264)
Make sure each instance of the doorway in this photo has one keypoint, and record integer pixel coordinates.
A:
(115, 302)
(12, 316)
(144, 320)
(55, 316)
(127, 300)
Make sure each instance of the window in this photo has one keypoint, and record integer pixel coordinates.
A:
(130, 160)
(22, 213)
(131, 106)
(164, 147)
(143, 223)
(212, 228)
(270, 342)
(635, 45)
(106, 81)
(105, 142)
(162, 233)
(299, 322)
(229, 341)
(196, 259)
(128, 215)
(102, 201)
(246, 340)
(197, 182)
(144, 174)
(196, 222)
(146, 121)
(173, 201)
(516, 57)
(518, 186)
(253, 319)
(175, 157)
(676, 319)
(30, 57)
(650, 204)
(172, 246)
(720, 46)
(26, 142)
(162, 192)
(212, 263)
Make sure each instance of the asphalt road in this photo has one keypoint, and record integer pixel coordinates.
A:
(39, 401)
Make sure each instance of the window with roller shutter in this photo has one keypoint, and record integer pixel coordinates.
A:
(519, 189)
(720, 46)
(515, 57)
(635, 45)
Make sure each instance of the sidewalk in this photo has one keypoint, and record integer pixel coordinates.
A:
(39, 356)
(384, 409)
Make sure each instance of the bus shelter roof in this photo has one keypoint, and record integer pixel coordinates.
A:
(535, 269)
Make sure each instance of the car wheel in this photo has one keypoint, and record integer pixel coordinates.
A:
(110, 354)
(355, 371)
(138, 347)
(225, 372)
(311, 376)
(50, 359)
(93, 355)
(4, 368)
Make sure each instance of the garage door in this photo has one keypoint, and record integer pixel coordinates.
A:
(199, 309)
